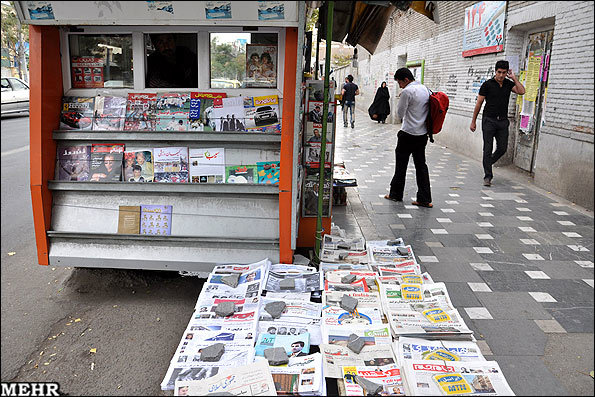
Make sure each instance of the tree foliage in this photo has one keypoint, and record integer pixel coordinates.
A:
(312, 20)
(339, 60)
(227, 62)
(14, 37)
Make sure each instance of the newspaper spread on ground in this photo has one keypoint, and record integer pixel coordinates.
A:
(372, 334)
(397, 268)
(476, 377)
(344, 256)
(332, 242)
(333, 315)
(253, 379)
(398, 279)
(303, 282)
(389, 376)
(389, 254)
(364, 299)
(298, 317)
(357, 286)
(327, 266)
(384, 243)
(302, 375)
(420, 349)
(334, 357)
(336, 276)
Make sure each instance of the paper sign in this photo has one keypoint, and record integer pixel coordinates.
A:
(411, 292)
(436, 315)
(453, 383)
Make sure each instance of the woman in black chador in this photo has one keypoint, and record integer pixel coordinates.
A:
(380, 108)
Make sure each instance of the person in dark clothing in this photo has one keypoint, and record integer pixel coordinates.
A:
(349, 91)
(171, 66)
(496, 92)
(380, 108)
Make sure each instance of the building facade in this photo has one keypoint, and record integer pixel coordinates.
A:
(548, 43)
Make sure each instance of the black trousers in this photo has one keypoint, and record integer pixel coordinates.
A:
(498, 129)
(408, 145)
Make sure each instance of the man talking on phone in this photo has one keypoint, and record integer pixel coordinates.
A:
(496, 93)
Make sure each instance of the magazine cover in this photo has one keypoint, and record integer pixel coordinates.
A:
(268, 172)
(261, 65)
(241, 174)
(155, 219)
(229, 115)
(294, 345)
(138, 165)
(109, 113)
(171, 164)
(106, 162)
(140, 112)
(262, 113)
(201, 110)
(310, 195)
(316, 90)
(207, 165)
(314, 132)
(129, 219)
(73, 163)
(312, 155)
(315, 110)
(77, 113)
(172, 111)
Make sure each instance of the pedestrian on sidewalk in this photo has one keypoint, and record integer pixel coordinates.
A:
(349, 91)
(412, 139)
(494, 123)
(380, 108)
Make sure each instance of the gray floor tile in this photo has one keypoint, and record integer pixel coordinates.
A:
(512, 305)
(461, 295)
(527, 375)
(456, 254)
(452, 272)
(574, 317)
(564, 270)
(458, 240)
(512, 337)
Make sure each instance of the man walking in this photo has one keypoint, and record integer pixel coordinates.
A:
(494, 124)
(412, 139)
(349, 91)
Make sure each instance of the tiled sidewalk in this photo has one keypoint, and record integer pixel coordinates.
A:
(518, 264)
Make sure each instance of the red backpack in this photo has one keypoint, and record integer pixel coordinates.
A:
(436, 113)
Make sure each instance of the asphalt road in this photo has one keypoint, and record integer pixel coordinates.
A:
(53, 317)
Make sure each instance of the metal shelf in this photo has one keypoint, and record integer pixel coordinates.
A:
(255, 138)
(158, 187)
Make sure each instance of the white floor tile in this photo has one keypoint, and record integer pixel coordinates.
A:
(527, 229)
(479, 287)
(537, 274)
(487, 205)
(484, 236)
(589, 281)
(484, 224)
(483, 250)
(571, 234)
(439, 231)
(444, 220)
(523, 209)
(542, 297)
(478, 313)
(566, 223)
(530, 241)
(482, 267)
(585, 264)
(447, 210)
(534, 257)
(406, 216)
(525, 218)
(454, 195)
(578, 248)
(550, 326)
(561, 213)
(428, 259)
(485, 214)
(451, 202)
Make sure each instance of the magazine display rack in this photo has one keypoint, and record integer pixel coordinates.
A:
(76, 222)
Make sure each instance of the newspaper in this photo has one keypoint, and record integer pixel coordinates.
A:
(389, 376)
(384, 243)
(416, 324)
(371, 334)
(245, 321)
(302, 375)
(253, 379)
(480, 377)
(392, 269)
(331, 242)
(364, 299)
(327, 266)
(294, 345)
(335, 276)
(388, 254)
(208, 306)
(397, 279)
(297, 318)
(344, 256)
(218, 290)
(335, 357)
(292, 269)
(417, 349)
(333, 315)
(303, 281)
(240, 268)
(356, 286)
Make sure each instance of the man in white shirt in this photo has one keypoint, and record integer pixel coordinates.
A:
(412, 139)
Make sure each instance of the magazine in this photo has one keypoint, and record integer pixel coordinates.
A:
(251, 379)
(419, 349)
(106, 162)
(315, 115)
(171, 164)
(334, 357)
(262, 113)
(140, 112)
(201, 110)
(310, 194)
(73, 163)
(425, 378)
(268, 172)
(389, 376)
(207, 165)
(241, 174)
(171, 111)
(316, 91)
(294, 345)
(261, 66)
(109, 113)
(301, 376)
(129, 219)
(156, 219)
(138, 165)
(229, 115)
(77, 113)
(312, 154)
(314, 133)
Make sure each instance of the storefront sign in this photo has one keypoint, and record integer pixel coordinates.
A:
(87, 72)
(483, 32)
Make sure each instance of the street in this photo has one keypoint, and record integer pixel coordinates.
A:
(54, 317)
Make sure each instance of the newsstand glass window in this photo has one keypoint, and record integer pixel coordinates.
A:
(244, 60)
(100, 60)
(171, 60)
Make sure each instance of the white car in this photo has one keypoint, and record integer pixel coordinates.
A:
(15, 96)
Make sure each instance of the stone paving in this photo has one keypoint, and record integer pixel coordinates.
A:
(517, 263)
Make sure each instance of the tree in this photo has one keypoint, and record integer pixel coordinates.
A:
(312, 20)
(339, 60)
(227, 62)
(14, 38)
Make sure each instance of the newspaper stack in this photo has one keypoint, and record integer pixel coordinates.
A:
(339, 249)
(237, 331)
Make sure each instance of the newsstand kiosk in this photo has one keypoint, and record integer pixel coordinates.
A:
(76, 222)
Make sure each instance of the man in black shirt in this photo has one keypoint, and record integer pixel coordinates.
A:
(349, 91)
(496, 93)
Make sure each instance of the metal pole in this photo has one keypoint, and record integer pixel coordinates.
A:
(321, 168)
(318, 39)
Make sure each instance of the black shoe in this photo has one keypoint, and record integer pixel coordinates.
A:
(353, 124)
(344, 125)
(487, 182)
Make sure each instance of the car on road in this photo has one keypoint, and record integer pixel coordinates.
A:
(15, 96)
